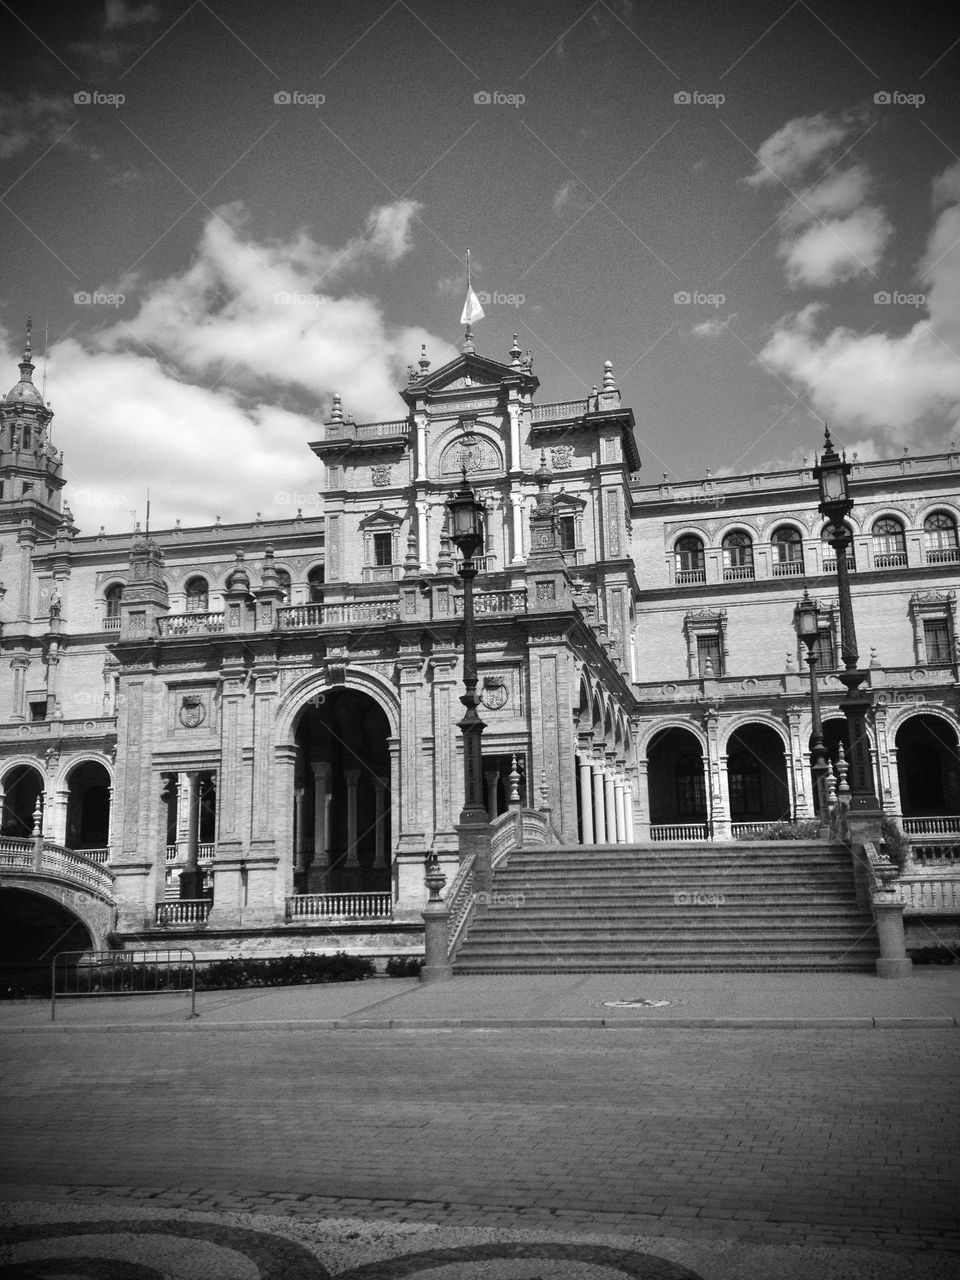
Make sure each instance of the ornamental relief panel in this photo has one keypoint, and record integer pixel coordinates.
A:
(191, 709)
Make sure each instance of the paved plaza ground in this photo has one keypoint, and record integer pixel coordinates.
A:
(262, 1140)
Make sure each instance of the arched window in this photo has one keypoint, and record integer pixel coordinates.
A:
(889, 543)
(197, 595)
(940, 538)
(737, 556)
(830, 551)
(691, 794)
(283, 581)
(787, 552)
(315, 581)
(112, 597)
(688, 553)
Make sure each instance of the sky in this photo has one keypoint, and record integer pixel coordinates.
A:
(220, 214)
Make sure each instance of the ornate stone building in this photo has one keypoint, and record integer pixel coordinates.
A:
(248, 734)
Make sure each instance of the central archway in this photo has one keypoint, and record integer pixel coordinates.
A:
(342, 813)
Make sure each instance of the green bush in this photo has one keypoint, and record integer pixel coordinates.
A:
(894, 843)
(283, 971)
(934, 955)
(808, 829)
(404, 966)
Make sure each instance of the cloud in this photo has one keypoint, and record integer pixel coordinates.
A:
(831, 251)
(802, 143)
(119, 14)
(213, 390)
(36, 120)
(714, 327)
(115, 40)
(570, 196)
(829, 231)
(904, 388)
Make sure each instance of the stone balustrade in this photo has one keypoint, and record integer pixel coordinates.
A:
(929, 896)
(680, 831)
(340, 906)
(183, 911)
(190, 624)
(58, 863)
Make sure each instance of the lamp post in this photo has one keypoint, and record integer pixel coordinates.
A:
(466, 521)
(806, 623)
(833, 477)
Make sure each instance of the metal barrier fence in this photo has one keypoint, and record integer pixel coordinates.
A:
(153, 971)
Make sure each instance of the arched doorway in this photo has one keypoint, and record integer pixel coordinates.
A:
(675, 779)
(757, 775)
(342, 821)
(33, 929)
(928, 767)
(22, 787)
(88, 807)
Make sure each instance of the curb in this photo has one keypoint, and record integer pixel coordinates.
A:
(505, 1024)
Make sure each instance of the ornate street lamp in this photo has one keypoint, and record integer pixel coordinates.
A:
(806, 623)
(466, 531)
(833, 476)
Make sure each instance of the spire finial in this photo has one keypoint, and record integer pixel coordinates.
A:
(336, 412)
(608, 382)
(27, 349)
(468, 348)
(423, 362)
(515, 353)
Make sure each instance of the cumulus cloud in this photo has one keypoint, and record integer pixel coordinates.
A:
(904, 388)
(212, 391)
(802, 143)
(830, 233)
(570, 197)
(713, 328)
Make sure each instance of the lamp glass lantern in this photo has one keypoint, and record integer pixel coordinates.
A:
(466, 520)
(805, 619)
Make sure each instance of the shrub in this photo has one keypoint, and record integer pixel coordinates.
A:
(808, 829)
(404, 966)
(283, 971)
(934, 955)
(894, 843)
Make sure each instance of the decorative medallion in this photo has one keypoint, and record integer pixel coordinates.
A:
(494, 694)
(562, 455)
(192, 712)
(381, 475)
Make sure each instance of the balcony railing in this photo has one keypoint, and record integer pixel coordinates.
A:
(494, 602)
(112, 623)
(945, 824)
(830, 566)
(738, 573)
(686, 576)
(561, 409)
(890, 560)
(943, 555)
(356, 612)
(190, 624)
(382, 572)
(680, 831)
(204, 853)
(935, 855)
(184, 911)
(788, 568)
(340, 906)
(929, 896)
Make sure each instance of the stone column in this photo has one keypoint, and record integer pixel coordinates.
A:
(517, 504)
(300, 848)
(621, 809)
(798, 763)
(423, 550)
(321, 826)
(492, 777)
(628, 803)
(381, 856)
(599, 811)
(586, 800)
(514, 411)
(61, 801)
(191, 877)
(888, 914)
(610, 804)
(421, 419)
(352, 777)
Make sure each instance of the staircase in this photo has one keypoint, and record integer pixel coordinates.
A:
(786, 907)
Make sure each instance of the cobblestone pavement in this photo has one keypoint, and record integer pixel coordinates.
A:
(796, 1153)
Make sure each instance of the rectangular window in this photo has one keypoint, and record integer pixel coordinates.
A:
(38, 710)
(568, 533)
(383, 548)
(708, 654)
(936, 639)
(826, 659)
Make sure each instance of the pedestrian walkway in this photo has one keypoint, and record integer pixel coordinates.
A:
(929, 998)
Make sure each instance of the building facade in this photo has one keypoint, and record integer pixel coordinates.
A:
(250, 731)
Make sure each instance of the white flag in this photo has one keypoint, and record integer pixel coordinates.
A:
(472, 309)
